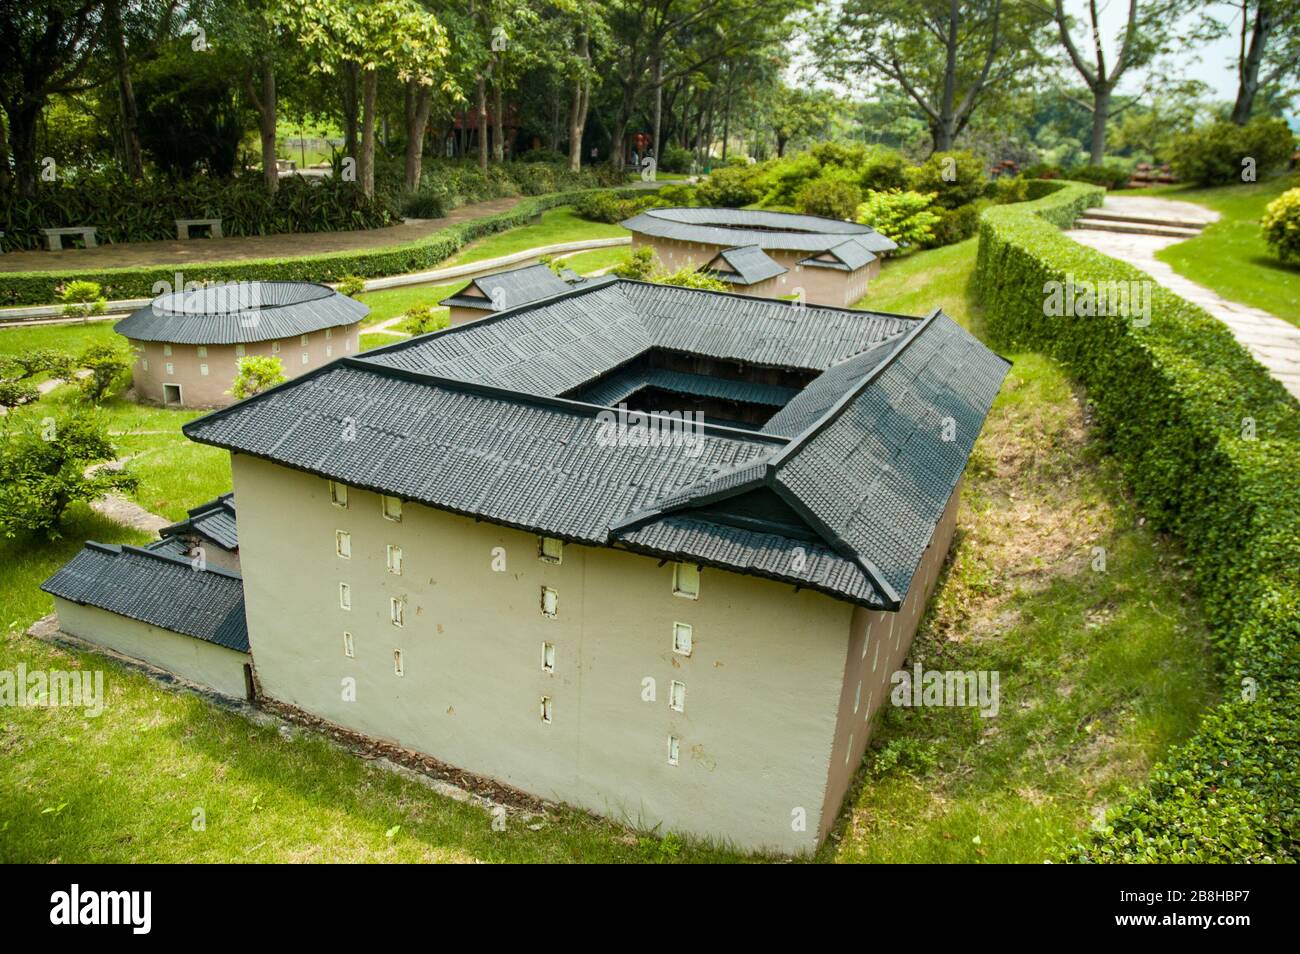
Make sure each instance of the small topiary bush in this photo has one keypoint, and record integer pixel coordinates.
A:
(1281, 224)
(955, 178)
(730, 187)
(1220, 152)
(909, 218)
(676, 159)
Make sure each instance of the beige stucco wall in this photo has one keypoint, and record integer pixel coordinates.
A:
(878, 643)
(763, 683)
(205, 663)
(186, 362)
(463, 316)
(821, 286)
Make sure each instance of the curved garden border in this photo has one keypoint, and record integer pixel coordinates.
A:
(41, 288)
(1210, 444)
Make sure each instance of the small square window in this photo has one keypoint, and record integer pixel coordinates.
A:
(857, 696)
(170, 369)
(546, 709)
(677, 696)
(275, 347)
(240, 351)
(302, 340)
(347, 645)
(686, 580)
(550, 601)
(338, 494)
(144, 364)
(551, 549)
(674, 749)
(167, 350)
(203, 370)
(305, 358)
(548, 657)
(392, 508)
(329, 333)
(394, 560)
(682, 638)
(202, 350)
(329, 351)
(397, 611)
(397, 663)
(345, 596)
(343, 544)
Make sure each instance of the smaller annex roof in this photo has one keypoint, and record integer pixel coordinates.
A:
(214, 521)
(241, 312)
(158, 588)
(848, 256)
(744, 265)
(729, 228)
(509, 289)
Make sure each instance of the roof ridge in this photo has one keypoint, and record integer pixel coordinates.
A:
(117, 549)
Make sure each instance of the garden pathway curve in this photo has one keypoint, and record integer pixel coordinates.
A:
(1273, 342)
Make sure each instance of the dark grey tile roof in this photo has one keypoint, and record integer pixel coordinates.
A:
(856, 494)
(810, 404)
(874, 473)
(155, 587)
(535, 463)
(214, 520)
(509, 289)
(241, 312)
(554, 346)
(622, 384)
(847, 256)
(768, 230)
(744, 265)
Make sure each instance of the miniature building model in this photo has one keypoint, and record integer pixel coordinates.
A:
(188, 343)
(648, 550)
(824, 261)
(502, 290)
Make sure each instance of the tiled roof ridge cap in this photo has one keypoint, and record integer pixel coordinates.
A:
(116, 549)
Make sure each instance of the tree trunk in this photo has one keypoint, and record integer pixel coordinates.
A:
(659, 108)
(22, 137)
(419, 100)
(1248, 62)
(1100, 114)
(369, 87)
(350, 79)
(132, 156)
(579, 102)
(267, 115)
(481, 101)
(498, 124)
(6, 180)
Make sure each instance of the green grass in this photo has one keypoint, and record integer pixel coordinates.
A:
(391, 302)
(1100, 673)
(1230, 256)
(557, 225)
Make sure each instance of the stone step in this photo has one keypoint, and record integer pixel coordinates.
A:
(1135, 228)
(1169, 220)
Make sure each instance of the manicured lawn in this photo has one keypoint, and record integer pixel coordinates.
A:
(1099, 673)
(557, 225)
(1230, 256)
(391, 302)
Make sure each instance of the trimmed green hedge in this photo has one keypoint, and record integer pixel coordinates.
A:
(42, 288)
(1211, 446)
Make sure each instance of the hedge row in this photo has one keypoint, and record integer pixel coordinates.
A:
(42, 288)
(1211, 446)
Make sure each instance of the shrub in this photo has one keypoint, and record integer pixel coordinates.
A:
(1043, 171)
(108, 366)
(676, 195)
(730, 187)
(541, 154)
(1006, 189)
(606, 207)
(81, 299)
(421, 321)
(779, 181)
(1108, 177)
(426, 203)
(955, 178)
(1281, 224)
(256, 374)
(882, 169)
(956, 225)
(639, 265)
(28, 364)
(831, 197)
(1218, 152)
(688, 276)
(47, 464)
(14, 392)
(351, 285)
(676, 159)
(906, 217)
(1210, 444)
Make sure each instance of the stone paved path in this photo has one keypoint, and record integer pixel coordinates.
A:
(1273, 342)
